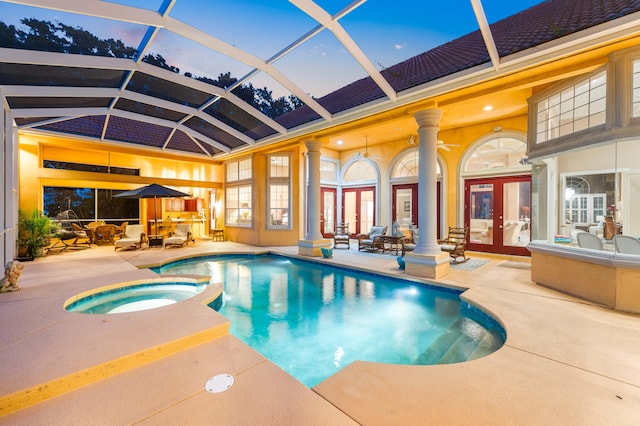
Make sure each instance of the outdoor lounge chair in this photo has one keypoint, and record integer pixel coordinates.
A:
(626, 245)
(181, 235)
(589, 241)
(133, 237)
(455, 244)
(341, 236)
(372, 241)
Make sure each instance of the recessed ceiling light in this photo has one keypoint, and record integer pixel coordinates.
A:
(488, 108)
(339, 142)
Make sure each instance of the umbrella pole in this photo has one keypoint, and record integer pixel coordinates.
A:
(155, 218)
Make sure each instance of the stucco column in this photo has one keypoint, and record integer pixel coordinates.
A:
(313, 240)
(427, 260)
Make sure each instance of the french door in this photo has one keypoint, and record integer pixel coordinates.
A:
(359, 208)
(327, 211)
(497, 214)
(405, 204)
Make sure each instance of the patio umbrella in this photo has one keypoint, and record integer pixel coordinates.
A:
(152, 191)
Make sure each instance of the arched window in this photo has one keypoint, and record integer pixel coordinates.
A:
(497, 154)
(407, 165)
(359, 171)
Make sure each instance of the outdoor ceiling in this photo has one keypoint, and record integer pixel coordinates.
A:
(128, 101)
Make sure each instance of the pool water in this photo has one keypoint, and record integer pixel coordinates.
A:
(135, 298)
(313, 320)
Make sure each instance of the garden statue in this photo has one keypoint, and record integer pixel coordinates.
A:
(12, 272)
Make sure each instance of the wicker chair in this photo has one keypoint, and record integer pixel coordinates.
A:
(372, 241)
(455, 244)
(104, 234)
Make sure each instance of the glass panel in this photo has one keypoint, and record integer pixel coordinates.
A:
(407, 165)
(244, 169)
(232, 172)
(328, 171)
(327, 213)
(481, 214)
(516, 212)
(359, 171)
(279, 205)
(279, 166)
(404, 207)
(499, 153)
(350, 214)
(367, 212)
(80, 200)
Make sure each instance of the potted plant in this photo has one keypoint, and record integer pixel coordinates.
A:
(34, 231)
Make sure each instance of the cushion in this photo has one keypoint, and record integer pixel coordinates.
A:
(377, 231)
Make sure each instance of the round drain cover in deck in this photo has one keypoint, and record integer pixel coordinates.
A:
(219, 383)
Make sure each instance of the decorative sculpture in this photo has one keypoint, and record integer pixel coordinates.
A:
(12, 272)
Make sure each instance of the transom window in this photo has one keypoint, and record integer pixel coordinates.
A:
(575, 108)
(359, 171)
(407, 165)
(496, 154)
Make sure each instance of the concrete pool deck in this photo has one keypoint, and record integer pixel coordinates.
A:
(566, 361)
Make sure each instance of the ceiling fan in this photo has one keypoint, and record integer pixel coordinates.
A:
(445, 146)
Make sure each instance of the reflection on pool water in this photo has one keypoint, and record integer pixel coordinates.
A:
(133, 298)
(313, 320)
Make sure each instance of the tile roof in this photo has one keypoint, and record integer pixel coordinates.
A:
(539, 24)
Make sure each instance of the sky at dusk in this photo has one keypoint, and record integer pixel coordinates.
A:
(387, 32)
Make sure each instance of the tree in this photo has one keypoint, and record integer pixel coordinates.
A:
(58, 37)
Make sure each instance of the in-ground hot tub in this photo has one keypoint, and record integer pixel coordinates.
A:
(136, 296)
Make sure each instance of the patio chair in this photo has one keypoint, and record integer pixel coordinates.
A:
(134, 237)
(181, 236)
(455, 244)
(103, 234)
(373, 240)
(589, 241)
(410, 241)
(341, 236)
(626, 245)
(120, 230)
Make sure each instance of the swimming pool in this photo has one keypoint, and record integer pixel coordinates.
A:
(133, 297)
(313, 320)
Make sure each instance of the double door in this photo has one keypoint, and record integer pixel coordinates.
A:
(358, 210)
(498, 214)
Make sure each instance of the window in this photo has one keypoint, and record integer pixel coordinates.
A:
(586, 198)
(279, 187)
(239, 205)
(407, 165)
(360, 171)
(328, 170)
(61, 165)
(575, 108)
(497, 154)
(635, 100)
(90, 204)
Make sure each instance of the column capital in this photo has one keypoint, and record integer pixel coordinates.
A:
(313, 145)
(428, 117)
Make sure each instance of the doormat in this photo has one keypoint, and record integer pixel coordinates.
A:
(469, 265)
